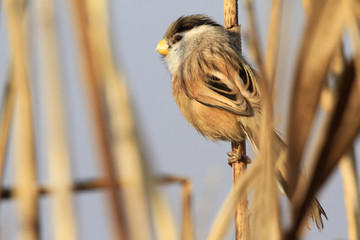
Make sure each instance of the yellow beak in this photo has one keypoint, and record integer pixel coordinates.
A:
(163, 47)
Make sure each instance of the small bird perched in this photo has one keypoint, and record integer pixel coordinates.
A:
(214, 87)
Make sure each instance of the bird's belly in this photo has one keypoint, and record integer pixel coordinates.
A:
(213, 123)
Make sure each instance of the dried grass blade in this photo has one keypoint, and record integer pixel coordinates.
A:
(349, 125)
(266, 215)
(354, 31)
(326, 21)
(187, 222)
(339, 135)
(272, 49)
(57, 153)
(134, 170)
(307, 5)
(163, 219)
(125, 146)
(253, 34)
(6, 118)
(25, 167)
(351, 194)
(91, 75)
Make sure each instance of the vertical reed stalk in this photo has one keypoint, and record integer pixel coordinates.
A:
(273, 42)
(222, 221)
(98, 114)
(187, 220)
(6, 117)
(187, 223)
(254, 45)
(57, 153)
(125, 146)
(25, 167)
(242, 228)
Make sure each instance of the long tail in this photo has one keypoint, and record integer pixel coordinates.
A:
(279, 150)
(315, 210)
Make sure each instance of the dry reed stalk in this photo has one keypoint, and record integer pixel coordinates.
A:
(339, 134)
(273, 42)
(314, 60)
(86, 185)
(187, 225)
(231, 22)
(345, 124)
(254, 46)
(123, 139)
(347, 163)
(354, 32)
(92, 87)
(187, 222)
(6, 117)
(315, 55)
(307, 5)
(351, 194)
(222, 221)
(242, 227)
(163, 220)
(266, 209)
(268, 218)
(98, 184)
(25, 169)
(266, 214)
(57, 152)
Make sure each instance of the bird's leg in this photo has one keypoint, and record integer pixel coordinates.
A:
(237, 154)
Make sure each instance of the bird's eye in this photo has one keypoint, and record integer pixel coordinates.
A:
(177, 38)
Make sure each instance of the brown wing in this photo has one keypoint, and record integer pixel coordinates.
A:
(226, 83)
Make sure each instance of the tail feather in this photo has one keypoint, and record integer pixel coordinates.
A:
(279, 149)
(315, 212)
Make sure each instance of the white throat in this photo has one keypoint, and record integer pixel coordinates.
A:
(179, 51)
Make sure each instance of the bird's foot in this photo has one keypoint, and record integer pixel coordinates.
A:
(235, 157)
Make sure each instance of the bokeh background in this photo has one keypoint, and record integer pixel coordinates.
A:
(170, 143)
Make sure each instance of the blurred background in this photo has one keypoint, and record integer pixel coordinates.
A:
(170, 144)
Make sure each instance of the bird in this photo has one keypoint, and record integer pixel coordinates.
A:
(215, 88)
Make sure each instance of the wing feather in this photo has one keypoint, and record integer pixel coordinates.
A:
(226, 82)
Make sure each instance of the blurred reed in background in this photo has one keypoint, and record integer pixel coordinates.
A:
(324, 81)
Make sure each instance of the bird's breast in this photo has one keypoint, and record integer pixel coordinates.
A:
(213, 123)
